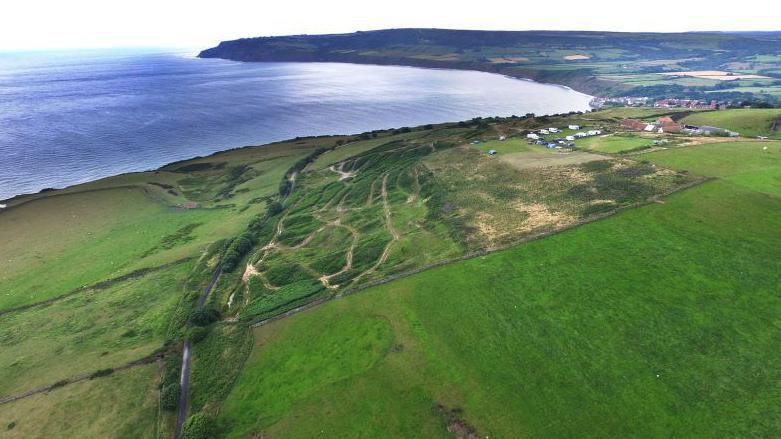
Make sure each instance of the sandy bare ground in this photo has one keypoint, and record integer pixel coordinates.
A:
(343, 175)
(714, 74)
(524, 160)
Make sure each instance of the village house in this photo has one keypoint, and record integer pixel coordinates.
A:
(668, 125)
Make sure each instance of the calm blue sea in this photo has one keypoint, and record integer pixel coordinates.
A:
(70, 117)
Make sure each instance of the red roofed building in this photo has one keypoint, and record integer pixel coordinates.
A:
(668, 125)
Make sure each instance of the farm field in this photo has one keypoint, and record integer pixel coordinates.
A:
(123, 404)
(656, 320)
(614, 143)
(751, 123)
(452, 292)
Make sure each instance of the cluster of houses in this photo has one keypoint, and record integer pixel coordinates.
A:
(559, 142)
(690, 103)
(623, 101)
(668, 125)
(642, 101)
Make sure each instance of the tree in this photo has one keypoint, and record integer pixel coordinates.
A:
(198, 426)
(169, 396)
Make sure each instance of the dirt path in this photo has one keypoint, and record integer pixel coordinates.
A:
(343, 175)
(392, 230)
(386, 208)
(413, 197)
(371, 193)
(326, 279)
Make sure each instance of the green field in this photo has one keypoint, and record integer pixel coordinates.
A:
(659, 321)
(749, 123)
(123, 405)
(98, 275)
(613, 310)
(614, 143)
(509, 146)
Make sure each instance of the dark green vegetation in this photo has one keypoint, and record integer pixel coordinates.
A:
(411, 202)
(104, 281)
(601, 63)
(659, 321)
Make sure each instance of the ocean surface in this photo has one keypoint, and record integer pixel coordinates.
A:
(70, 117)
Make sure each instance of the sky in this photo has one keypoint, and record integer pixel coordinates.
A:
(57, 24)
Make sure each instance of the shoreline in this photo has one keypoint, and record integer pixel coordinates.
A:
(20, 198)
(416, 63)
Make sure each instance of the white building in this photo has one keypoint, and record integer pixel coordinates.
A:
(574, 127)
(532, 136)
(581, 134)
(502, 137)
(553, 130)
(570, 138)
(544, 132)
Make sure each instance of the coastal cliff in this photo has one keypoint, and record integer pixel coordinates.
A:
(597, 63)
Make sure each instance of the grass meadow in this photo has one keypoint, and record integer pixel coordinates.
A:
(657, 321)
(747, 122)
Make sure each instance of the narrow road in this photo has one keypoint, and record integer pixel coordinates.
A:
(184, 378)
(184, 382)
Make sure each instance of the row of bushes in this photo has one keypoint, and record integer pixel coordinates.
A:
(285, 186)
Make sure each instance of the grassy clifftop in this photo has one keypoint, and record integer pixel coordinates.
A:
(600, 63)
(103, 279)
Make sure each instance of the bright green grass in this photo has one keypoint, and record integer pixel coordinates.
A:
(88, 331)
(54, 244)
(774, 91)
(57, 244)
(658, 321)
(346, 151)
(613, 144)
(509, 146)
(748, 122)
(122, 405)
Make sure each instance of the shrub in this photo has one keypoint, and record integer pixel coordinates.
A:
(171, 371)
(598, 208)
(198, 426)
(204, 317)
(597, 165)
(169, 396)
(274, 208)
(198, 333)
(101, 373)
